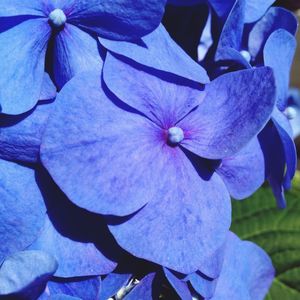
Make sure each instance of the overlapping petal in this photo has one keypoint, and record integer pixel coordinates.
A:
(212, 130)
(278, 54)
(75, 51)
(168, 57)
(244, 172)
(22, 71)
(22, 210)
(117, 19)
(10, 8)
(163, 102)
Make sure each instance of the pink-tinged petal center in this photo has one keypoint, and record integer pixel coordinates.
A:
(175, 135)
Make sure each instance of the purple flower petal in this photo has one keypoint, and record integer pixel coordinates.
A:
(168, 57)
(75, 51)
(117, 19)
(10, 8)
(22, 71)
(48, 89)
(22, 209)
(212, 130)
(163, 102)
(186, 207)
(278, 53)
(274, 19)
(244, 172)
(247, 271)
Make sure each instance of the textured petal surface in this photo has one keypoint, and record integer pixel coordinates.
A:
(146, 52)
(21, 137)
(22, 65)
(75, 51)
(278, 53)
(212, 130)
(255, 9)
(24, 274)
(188, 207)
(128, 141)
(79, 248)
(82, 288)
(179, 286)
(244, 172)
(163, 102)
(247, 272)
(22, 210)
(9, 8)
(274, 19)
(117, 19)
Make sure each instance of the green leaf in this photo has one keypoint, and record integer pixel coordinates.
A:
(278, 232)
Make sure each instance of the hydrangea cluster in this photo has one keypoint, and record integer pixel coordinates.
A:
(120, 153)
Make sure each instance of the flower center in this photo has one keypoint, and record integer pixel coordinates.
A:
(57, 18)
(175, 135)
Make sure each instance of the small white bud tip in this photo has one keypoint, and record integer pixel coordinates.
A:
(175, 135)
(57, 18)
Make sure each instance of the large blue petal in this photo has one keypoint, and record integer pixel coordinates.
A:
(24, 274)
(21, 137)
(168, 57)
(247, 272)
(188, 207)
(274, 19)
(244, 172)
(278, 54)
(48, 89)
(75, 51)
(22, 65)
(203, 285)
(163, 102)
(10, 8)
(22, 209)
(117, 19)
(255, 9)
(212, 130)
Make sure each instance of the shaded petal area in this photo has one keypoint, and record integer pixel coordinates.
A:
(80, 248)
(168, 57)
(48, 90)
(24, 274)
(205, 286)
(244, 172)
(75, 51)
(247, 271)
(22, 209)
(117, 19)
(212, 130)
(21, 137)
(278, 53)
(179, 286)
(274, 19)
(22, 71)
(129, 142)
(163, 102)
(10, 8)
(81, 288)
(186, 207)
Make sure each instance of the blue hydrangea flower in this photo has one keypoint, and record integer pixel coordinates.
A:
(143, 153)
(65, 32)
(270, 43)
